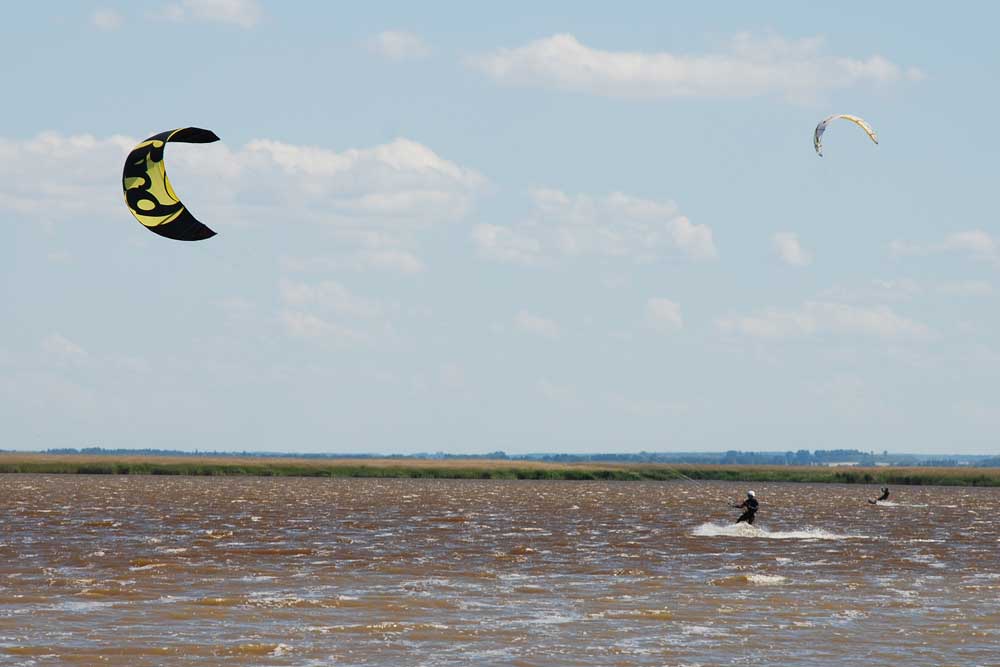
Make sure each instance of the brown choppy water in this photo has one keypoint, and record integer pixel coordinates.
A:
(264, 571)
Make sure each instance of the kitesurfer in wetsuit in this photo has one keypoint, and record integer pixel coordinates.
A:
(884, 496)
(749, 507)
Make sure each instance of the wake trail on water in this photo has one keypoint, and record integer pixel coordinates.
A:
(889, 503)
(746, 530)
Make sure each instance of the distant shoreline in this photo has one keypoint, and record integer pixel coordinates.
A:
(486, 469)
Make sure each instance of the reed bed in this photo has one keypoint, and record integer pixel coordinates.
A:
(484, 469)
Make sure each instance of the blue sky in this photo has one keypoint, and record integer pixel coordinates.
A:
(465, 228)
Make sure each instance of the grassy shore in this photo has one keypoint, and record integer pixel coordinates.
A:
(483, 469)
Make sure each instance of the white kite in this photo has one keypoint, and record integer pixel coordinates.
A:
(860, 122)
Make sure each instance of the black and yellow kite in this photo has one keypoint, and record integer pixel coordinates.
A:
(148, 192)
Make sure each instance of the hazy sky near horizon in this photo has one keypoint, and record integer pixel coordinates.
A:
(460, 227)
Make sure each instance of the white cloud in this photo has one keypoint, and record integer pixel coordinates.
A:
(399, 45)
(374, 201)
(749, 66)
(693, 240)
(329, 311)
(243, 13)
(975, 244)
(906, 289)
(965, 288)
(770, 324)
(306, 325)
(879, 291)
(62, 350)
(902, 288)
(790, 250)
(399, 261)
(664, 315)
(826, 317)
(106, 19)
(378, 249)
(330, 296)
(507, 245)
(82, 189)
(536, 325)
(389, 259)
(615, 225)
(169, 12)
(402, 182)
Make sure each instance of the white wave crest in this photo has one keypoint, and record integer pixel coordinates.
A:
(745, 530)
(754, 579)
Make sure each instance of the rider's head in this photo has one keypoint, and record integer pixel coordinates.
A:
(751, 494)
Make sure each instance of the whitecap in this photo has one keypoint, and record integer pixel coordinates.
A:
(850, 614)
(905, 593)
(925, 559)
(745, 530)
(82, 605)
(552, 618)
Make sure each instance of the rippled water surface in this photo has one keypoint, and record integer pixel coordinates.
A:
(264, 571)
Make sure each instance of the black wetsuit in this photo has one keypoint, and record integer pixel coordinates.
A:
(749, 507)
(884, 496)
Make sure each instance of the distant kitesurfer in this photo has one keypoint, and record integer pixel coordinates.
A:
(749, 507)
(884, 496)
